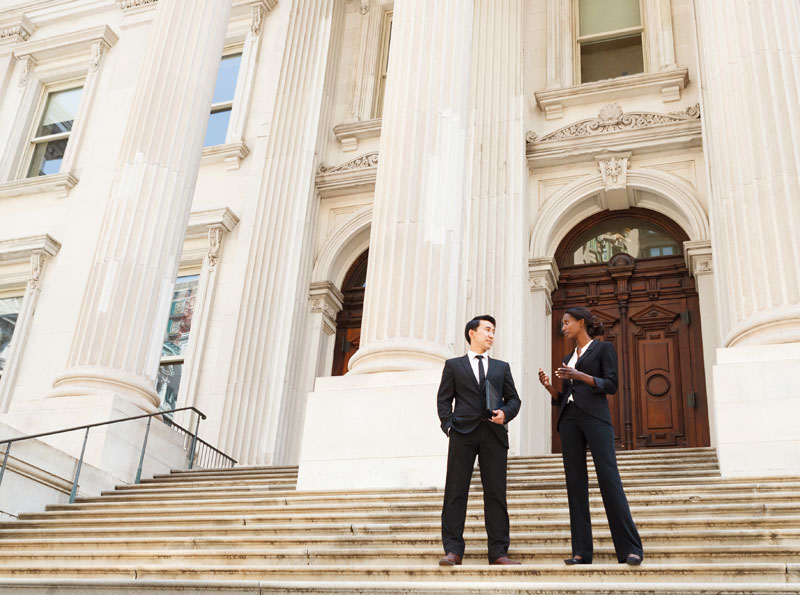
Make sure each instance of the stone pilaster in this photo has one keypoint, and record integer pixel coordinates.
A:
(412, 296)
(750, 98)
(265, 399)
(117, 341)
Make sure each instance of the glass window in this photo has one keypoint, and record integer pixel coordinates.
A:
(628, 235)
(609, 39)
(176, 340)
(383, 64)
(222, 103)
(52, 134)
(9, 311)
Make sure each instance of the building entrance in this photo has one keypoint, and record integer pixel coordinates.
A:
(627, 268)
(348, 321)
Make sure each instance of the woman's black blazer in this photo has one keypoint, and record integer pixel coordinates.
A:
(599, 361)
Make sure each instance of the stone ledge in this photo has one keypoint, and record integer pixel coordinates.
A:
(58, 184)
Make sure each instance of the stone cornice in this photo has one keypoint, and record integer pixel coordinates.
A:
(349, 134)
(356, 175)
(615, 131)
(69, 43)
(21, 249)
(201, 221)
(16, 30)
(668, 82)
(60, 184)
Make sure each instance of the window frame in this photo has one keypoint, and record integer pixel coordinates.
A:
(228, 105)
(48, 89)
(578, 40)
(10, 292)
(382, 68)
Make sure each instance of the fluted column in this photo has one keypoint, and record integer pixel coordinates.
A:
(264, 399)
(412, 295)
(750, 74)
(117, 341)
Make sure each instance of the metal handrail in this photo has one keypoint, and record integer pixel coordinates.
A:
(195, 439)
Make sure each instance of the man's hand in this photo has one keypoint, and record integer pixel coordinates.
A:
(499, 416)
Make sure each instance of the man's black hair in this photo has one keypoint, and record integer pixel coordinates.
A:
(475, 323)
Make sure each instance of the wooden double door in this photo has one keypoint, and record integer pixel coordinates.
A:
(650, 310)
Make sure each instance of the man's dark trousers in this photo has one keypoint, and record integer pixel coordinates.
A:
(492, 457)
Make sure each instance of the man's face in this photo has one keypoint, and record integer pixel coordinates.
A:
(481, 338)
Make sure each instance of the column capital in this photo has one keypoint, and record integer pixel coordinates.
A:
(698, 257)
(543, 274)
(326, 299)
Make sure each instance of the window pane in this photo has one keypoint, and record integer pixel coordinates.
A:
(612, 58)
(628, 235)
(226, 78)
(47, 158)
(167, 384)
(180, 316)
(217, 128)
(9, 310)
(599, 16)
(59, 112)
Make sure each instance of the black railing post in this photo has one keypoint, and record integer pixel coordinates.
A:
(5, 460)
(74, 491)
(141, 458)
(194, 442)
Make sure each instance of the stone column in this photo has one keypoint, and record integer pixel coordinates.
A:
(750, 81)
(117, 342)
(265, 396)
(412, 295)
(496, 235)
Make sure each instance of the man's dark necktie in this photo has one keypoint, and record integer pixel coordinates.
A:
(481, 372)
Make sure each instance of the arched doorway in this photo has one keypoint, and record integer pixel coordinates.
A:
(348, 321)
(627, 268)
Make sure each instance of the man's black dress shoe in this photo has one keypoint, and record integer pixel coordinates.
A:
(574, 560)
(633, 560)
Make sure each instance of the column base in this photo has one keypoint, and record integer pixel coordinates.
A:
(757, 403)
(98, 381)
(373, 431)
(398, 355)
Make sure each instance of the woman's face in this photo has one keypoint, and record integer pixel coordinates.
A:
(571, 326)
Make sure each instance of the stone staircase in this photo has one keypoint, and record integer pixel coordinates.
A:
(247, 530)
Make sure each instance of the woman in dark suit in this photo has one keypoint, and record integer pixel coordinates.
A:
(588, 374)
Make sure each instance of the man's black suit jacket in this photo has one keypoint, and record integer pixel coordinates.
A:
(599, 361)
(459, 384)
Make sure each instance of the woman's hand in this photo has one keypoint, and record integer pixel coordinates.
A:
(567, 373)
(545, 380)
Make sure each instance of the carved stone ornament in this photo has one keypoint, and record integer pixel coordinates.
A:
(612, 119)
(125, 4)
(215, 235)
(364, 8)
(256, 18)
(615, 172)
(19, 32)
(37, 263)
(365, 161)
(97, 53)
(28, 64)
(703, 267)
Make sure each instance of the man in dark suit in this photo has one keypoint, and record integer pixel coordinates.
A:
(473, 431)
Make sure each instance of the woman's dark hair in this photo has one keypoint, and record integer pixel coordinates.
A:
(475, 323)
(593, 325)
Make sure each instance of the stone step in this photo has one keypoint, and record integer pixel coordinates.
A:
(293, 514)
(760, 572)
(379, 535)
(45, 586)
(231, 552)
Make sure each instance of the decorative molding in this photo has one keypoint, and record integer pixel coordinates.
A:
(16, 31)
(215, 235)
(668, 82)
(231, 154)
(28, 64)
(77, 42)
(22, 249)
(621, 132)
(326, 299)
(612, 119)
(614, 172)
(349, 134)
(362, 162)
(201, 221)
(698, 257)
(97, 53)
(128, 4)
(543, 274)
(37, 263)
(59, 184)
(364, 7)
